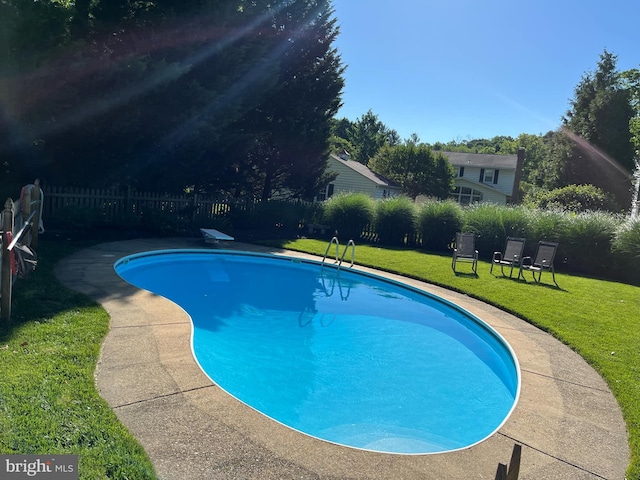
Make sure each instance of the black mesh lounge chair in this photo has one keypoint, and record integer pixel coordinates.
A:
(464, 250)
(542, 261)
(511, 257)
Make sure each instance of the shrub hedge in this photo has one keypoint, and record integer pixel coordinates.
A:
(594, 243)
(395, 221)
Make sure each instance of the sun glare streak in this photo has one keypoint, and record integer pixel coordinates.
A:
(16, 108)
(251, 78)
(595, 152)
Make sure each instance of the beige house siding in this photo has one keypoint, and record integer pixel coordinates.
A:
(353, 177)
(349, 180)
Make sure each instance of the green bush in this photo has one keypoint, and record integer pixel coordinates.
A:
(586, 244)
(550, 225)
(437, 223)
(394, 220)
(493, 224)
(577, 198)
(626, 250)
(349, 214)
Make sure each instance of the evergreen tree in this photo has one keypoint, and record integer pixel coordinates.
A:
(291, 125)
(601, 110)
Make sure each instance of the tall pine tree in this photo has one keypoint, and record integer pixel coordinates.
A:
(291, 126)
(601, 110)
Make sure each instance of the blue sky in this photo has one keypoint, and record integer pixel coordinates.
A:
(466, 69)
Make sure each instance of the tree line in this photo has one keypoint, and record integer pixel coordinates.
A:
(596, 144)
(240, 99)
(209, 96)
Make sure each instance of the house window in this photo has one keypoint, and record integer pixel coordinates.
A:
(460, 172)
(466, 195)
(327, 193)
(488, 175)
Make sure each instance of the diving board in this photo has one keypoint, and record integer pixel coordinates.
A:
(211, 235)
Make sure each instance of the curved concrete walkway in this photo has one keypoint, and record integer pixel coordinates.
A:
(567, 421)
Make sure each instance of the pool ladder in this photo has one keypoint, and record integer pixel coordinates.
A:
(350, 243)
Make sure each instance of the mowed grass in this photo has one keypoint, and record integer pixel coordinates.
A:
(48, 355)
(598, 319)
(48, 400)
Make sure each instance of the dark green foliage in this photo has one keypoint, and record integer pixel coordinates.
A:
(493, 224)
(167, 94)
(437, 223)
(349, 214)
(585, 246)
(626, 250)
(577, 198)
(275, 218)
(416, 168)
(395, 220)
(367, 135)
(290, 126)
(601, 110)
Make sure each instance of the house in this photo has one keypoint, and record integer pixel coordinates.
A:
(353, 176)
(486, 178)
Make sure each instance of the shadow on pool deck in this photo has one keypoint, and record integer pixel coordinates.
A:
(567, 421)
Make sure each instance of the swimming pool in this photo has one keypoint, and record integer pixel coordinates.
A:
(343, 356)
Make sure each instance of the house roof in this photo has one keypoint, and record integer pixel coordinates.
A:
(459, 159)
(366, 172)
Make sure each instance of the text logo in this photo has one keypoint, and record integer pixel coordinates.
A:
(44, 467)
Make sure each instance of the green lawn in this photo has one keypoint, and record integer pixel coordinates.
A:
(598, 319)
(49, 404)
(48, 400)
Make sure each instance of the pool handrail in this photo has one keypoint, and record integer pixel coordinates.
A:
(353, 253)
(337, 242)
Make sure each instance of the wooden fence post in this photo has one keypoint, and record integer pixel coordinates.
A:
(6, 279)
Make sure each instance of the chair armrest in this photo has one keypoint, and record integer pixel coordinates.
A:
(526, 262)
(497, 256)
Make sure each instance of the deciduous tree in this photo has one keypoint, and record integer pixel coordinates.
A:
(417, 168)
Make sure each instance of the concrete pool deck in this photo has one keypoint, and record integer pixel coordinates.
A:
(567, 421)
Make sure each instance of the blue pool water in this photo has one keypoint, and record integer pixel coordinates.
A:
(346, 357)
